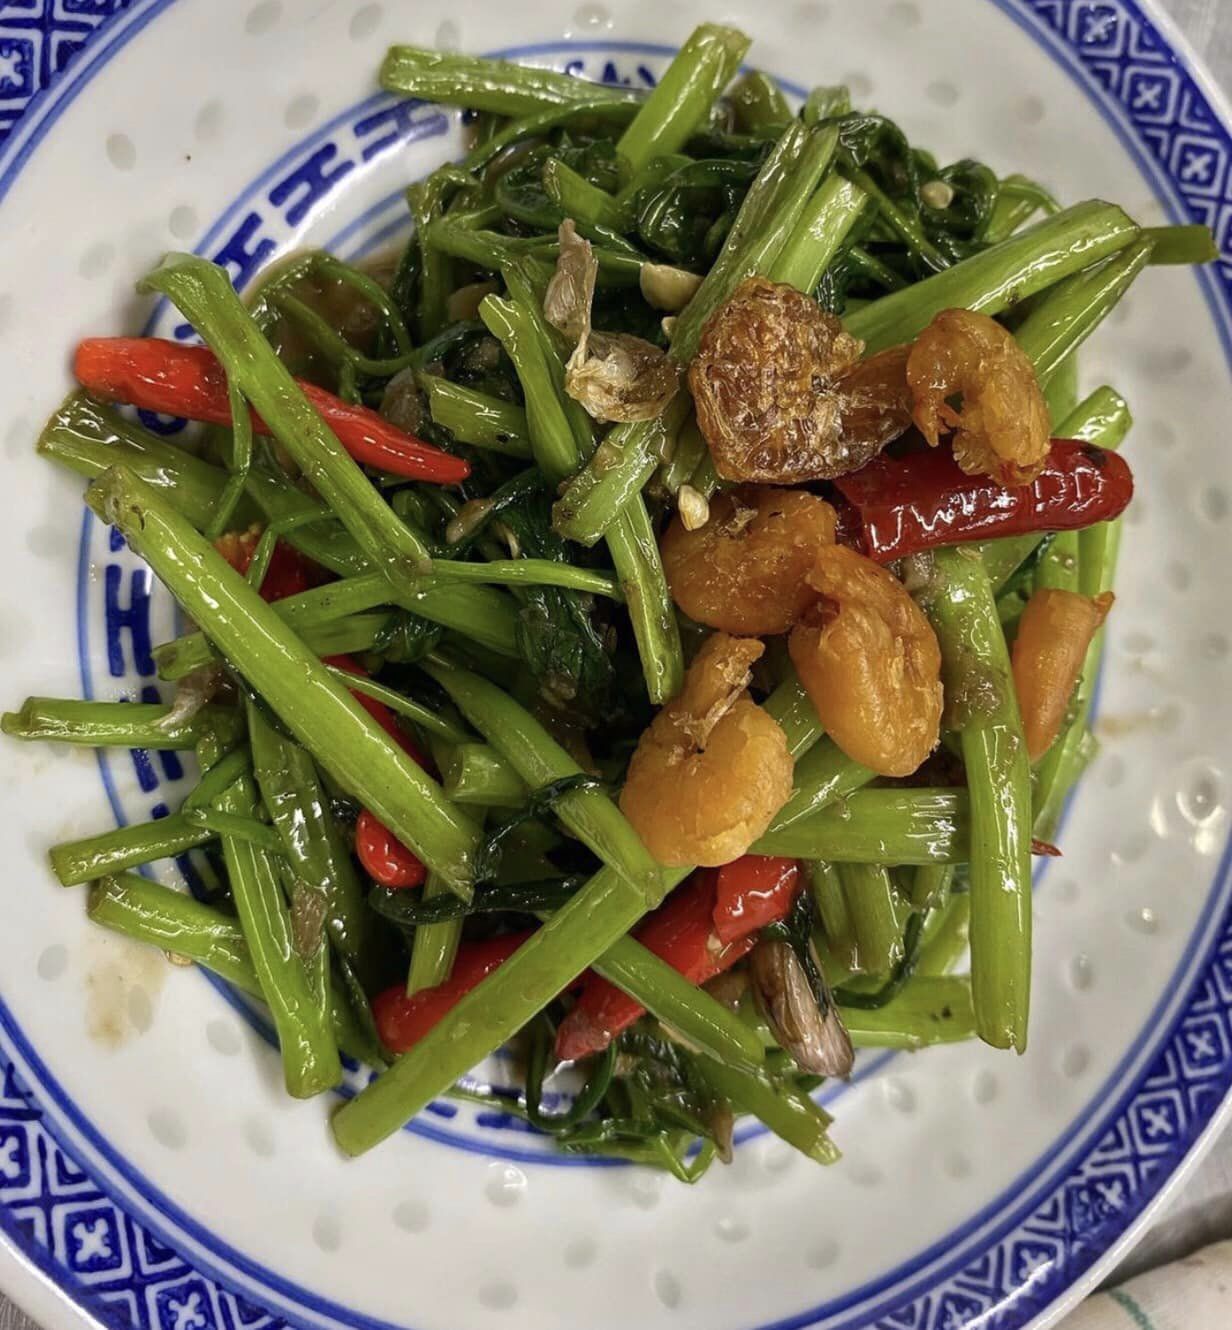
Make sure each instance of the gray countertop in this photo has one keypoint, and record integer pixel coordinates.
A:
(1202, 1212)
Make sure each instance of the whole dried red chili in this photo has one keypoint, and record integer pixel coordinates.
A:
(897, 506)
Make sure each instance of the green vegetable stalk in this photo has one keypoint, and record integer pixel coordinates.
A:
(204, 294)
(87, 438)
(475, 418)
(679, 1004)
(311, 841)
(314, 706)
(824, 224)
(78, 861)
(979, 688)
(1074, 308)
(117, 724)
(174, 922)
(875, 920)
(560, 440)
(474, 773)
(301, 1016)
(631, 453)
(786, 1110)
(927, 1011)
(873, 826)
(576, 936)
(1000, 277)
(539, 760)
(499, 86)
(434, 946)
(682, 98)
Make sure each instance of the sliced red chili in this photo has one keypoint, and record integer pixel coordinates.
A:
(384, 858)
(751, 892)
(289, 571)
(379, 712)
(680, 932)
(903, 505)
(382, 854)
(158, 375)
(403, 1021)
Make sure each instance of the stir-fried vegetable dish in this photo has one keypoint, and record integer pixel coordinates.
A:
(650, 620)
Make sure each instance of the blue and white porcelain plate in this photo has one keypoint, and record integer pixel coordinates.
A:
(152, 1174)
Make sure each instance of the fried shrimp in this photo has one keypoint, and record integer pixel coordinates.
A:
(712, 769)
(744, 570)
(870, 663)
(782, 395)
(1002, 427)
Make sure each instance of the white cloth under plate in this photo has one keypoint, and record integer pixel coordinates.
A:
(1193, 1294)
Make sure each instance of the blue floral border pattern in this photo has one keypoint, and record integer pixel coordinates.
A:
(38, 40)
(112, 1267)
(1024, 1272)
(1115, 47)
(108, 1264)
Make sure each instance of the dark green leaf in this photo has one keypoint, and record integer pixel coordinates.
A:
(557, 635)
(677, 218)
(412, 908)
(407, 637)
(541, 801)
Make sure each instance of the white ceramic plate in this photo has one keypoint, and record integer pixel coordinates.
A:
(151, 1171)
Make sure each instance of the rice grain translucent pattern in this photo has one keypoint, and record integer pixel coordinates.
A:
(369, 1214)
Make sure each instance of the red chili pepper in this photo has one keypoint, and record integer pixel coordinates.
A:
(289, 571)
(681, 932)
(402, 1021)
(379, 712)
(175, 380)
(752, 892)
(903, 505)
(383, 855)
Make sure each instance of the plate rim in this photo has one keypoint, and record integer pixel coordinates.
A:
(40, 1289)
(1220, 1121)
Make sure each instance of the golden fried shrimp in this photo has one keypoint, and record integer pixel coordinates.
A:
(782, 395)
(1002, 428)
(869, 660)
(744, 570)
(713, 768)
(1054, 633)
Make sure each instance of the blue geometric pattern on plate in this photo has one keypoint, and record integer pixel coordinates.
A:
(57, 1215)
(1153, 102)
(38, 39)
(1041, 1242)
